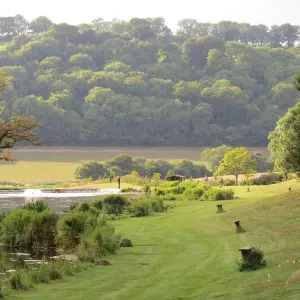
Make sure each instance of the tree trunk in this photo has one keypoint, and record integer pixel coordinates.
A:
(237, 179)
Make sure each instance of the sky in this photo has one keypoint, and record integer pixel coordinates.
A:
(76, 12)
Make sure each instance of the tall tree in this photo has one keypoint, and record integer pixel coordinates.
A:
(285, 141)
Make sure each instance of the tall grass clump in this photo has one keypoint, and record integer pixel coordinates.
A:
(98, 241)
(253, 262)
(214, 194)
(70, 228)
(26, 229)
(146, 206)
(115, 204)
(37, 206)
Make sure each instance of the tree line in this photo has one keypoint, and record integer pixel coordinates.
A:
(258, 34)
(137, 83)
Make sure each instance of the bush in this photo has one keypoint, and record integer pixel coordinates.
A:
(264, 179)
(218, 194)
(97, 242)
(115, 204)
(91, 169)
(37, 206)
(157, 205)
(147, 189)
(25, 229)
(140, 208)
(130, 189)
(19, 280)
(255, 261)
(145, 207)
(70, 228)
(194, 194)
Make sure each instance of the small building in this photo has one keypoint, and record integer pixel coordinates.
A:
(175, 178)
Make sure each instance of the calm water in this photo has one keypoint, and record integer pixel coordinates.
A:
(58, 202)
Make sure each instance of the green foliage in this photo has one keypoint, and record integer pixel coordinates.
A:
(136, 83)
(115, 204)
(264, 179)
(191, 170)
(70, 228)
(156, 179)
(235, 162)
(284, 142)
(37, 206)
(262, 164)
(140, 208)
(214, 194)
(97, 242)
(254, 262)
(213, 156)
(24, 229)
(92, 169)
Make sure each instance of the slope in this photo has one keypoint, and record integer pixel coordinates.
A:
(191, 253)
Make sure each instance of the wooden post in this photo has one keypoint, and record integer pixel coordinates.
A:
(119, 182)
(220, 208)
(239, 228)
(246, 252)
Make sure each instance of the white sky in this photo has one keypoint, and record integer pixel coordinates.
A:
(83, 11)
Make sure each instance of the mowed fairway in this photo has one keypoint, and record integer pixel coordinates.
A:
(190, 252)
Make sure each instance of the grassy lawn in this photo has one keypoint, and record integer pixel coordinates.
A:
(191, 252)
(37, 171)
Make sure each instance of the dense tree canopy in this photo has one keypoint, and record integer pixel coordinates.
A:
(284, 140)
(137, 83)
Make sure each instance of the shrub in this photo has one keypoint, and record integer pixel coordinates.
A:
(130, 189)
(264, 179)
(218, 194)
(26, 228)
(140, 208)
(147, 189)
(194, 194)
(255, 261)
(19, 280)
(157, 205)
(115, 204)
(91, 169)
(37, 206)
(98, 242)
(70, 228)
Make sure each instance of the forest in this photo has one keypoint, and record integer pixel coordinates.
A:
(121, 83)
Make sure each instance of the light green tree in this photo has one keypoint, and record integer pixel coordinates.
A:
(156, 178)
(235, 162)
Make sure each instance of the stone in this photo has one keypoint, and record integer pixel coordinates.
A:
(102, 263)
(126, 243)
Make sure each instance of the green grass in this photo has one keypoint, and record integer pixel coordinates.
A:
(37, 171)
(191, 252)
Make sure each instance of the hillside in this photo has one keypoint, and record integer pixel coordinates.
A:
(191, 252)
(137, 83)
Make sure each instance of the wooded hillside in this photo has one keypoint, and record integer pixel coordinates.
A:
(137, 83)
